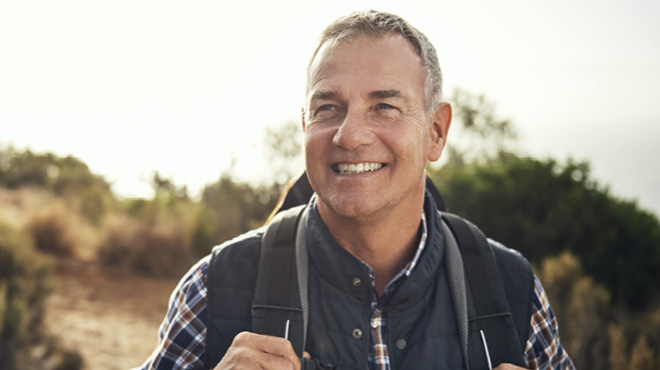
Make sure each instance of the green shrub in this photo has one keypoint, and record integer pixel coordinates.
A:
(65, 177)
(542, 208)
(24, 285)
(230, 208)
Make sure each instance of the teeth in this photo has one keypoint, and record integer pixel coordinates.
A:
(350, 169)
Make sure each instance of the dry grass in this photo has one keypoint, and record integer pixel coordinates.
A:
(158, 248)
(54, 224)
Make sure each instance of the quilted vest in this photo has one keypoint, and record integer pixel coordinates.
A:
(422, 332)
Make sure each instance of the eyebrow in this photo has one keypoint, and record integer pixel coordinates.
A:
(323, 95)
(383, 94)
(378, 94)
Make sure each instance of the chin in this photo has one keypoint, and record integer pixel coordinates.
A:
(352, 208)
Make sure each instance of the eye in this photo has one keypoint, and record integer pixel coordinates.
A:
(384, 106)
(325, 109)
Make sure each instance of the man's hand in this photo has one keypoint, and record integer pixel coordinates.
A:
(508, 367)
(256, 351)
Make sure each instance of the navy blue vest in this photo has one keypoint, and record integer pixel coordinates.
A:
(421, 325)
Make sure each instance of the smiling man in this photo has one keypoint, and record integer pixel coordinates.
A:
(379, 288)
(368, 137)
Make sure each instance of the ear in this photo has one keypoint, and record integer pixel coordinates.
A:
(302, 119)
(439, 130)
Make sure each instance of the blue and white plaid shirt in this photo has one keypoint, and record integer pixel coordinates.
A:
(182, 334)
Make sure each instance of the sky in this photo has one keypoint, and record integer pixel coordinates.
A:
(187, 88)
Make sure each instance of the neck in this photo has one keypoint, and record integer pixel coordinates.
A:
(386, 244)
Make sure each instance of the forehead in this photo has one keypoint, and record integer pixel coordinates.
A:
(380, 63)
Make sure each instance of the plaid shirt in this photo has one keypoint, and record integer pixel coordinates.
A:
(183, 332)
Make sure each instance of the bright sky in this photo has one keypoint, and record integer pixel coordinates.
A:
(135, 86)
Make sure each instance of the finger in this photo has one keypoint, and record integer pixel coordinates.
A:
(274, 362)
(274, 346)
(307, 355)
(248, 359)
(508, 367)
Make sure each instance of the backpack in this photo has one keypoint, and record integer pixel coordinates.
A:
(488, 333)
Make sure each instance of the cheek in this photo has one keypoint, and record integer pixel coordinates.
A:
(313, 143)
(317, 135)
(408, 136)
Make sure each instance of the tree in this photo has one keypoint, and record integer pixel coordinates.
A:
(542, 208)
(476, 132)
(283, 152)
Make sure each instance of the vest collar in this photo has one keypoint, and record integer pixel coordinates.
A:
(348, 274)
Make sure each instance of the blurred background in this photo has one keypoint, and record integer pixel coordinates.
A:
(135, 135)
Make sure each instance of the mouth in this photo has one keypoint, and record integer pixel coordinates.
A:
(353, 169)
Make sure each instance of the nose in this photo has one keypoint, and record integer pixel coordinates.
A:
(353, 132)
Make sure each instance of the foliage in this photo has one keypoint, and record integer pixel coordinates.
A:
(476, 132)
(230, 208)
(592, 248)
(617, 351)
(158, 248)
(52, 231)
(67, 177)
(581, 308)
(283, 151)
(166, 190)
(641, 357)
(541, 208)
(24, 285)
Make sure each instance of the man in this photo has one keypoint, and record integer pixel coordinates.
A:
(378, 288)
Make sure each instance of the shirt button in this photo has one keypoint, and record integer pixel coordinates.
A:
(357, 281)
(401, 344)
(357, 333)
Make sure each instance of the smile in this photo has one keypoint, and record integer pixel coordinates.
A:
(351, 169)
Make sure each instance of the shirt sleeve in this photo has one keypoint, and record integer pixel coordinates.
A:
(543, 349)
(182, 334)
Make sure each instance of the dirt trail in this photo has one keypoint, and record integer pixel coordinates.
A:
(110, 317)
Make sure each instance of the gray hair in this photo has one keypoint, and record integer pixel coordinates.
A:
(377, 24)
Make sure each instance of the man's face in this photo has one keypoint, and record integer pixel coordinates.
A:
(367, 136)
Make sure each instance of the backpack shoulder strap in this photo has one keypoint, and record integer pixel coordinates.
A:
(277, 308)
(492, 336)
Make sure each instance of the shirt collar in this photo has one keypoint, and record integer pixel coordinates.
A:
(410, 266)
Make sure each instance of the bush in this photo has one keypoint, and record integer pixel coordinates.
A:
(52, 231)
(65, 177)
(581, 308)
(641, 357)
(230, 208)
(158, 248)
(541, 208)
(24, 285)
(617, 351)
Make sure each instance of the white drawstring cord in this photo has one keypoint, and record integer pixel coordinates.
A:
(483, 340)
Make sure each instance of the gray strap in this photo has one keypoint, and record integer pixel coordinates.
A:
(302, 269)
(456, 274)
